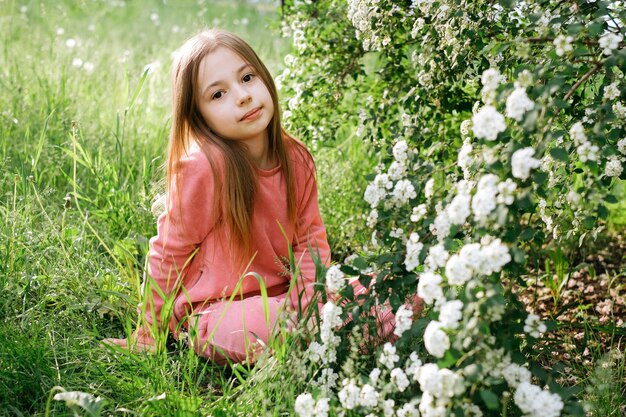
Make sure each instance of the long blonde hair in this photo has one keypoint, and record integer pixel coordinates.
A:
(236, 187)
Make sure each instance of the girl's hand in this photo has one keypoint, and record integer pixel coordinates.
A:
(140, 341)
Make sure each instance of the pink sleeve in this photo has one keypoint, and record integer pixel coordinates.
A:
(180, 230)
(310, 232)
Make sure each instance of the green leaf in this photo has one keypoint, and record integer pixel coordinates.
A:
(540, 177)
(589, 222)
(560, 154)
(360, 263)
(490, 399)
(603, 212)
(595, 28)
(611, 199)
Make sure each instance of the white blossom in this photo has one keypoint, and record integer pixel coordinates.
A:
(400, 151)
(413, 366)
(349, 394)
(437, 257)
(457, 270)
(436, 340)
(429, 287)
(335, 279)
(535, 402)
(515, 374)
(396, 170)
(518, 103)
(488, 123)
(563, 44)
(610, 41)
(587, 152)
(372, 218)
(451, 313)
(377, 189)
(613, 167)
(621, 146)
(442, 384)
(459, 209)
(408, 410)
(404, 320)
(368, 396)
(620, 110)
(418, 213)
(506, 190)
(484, 201)
(522, 162)
(388, 356)
(374, 375)
(399, 378)
(429, 188)
(403, 192)
(413, 250)
(577, 133)
(305, 405)
(534, 326)
(492, 78)
(611, 91)
(429, 408)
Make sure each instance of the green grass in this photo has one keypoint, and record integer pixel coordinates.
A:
(70, 269)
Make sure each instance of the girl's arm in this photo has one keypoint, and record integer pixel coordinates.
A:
(180, 230)
(310, 232)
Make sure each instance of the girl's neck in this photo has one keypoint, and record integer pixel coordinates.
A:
(260, 155)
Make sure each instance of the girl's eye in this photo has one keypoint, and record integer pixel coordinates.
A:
(217, 95)
(249, 77)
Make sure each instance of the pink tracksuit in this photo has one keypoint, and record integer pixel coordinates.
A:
(191, 264)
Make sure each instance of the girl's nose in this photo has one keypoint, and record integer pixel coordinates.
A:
(244, 96)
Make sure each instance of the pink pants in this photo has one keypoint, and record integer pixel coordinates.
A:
(238, 330)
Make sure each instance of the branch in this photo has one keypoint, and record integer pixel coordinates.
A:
(584, 78)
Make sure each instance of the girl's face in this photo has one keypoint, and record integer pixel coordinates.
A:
(234, 101)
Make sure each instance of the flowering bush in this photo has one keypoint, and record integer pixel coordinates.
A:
(501, 134)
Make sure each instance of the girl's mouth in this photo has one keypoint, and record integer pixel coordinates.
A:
(251, 115)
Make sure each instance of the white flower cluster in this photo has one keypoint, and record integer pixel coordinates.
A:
(383, 185)
(535, 402)
(620, 110)
(612, 91)
(376, 191)
(439, 386)
(621, 146)
(326, 351)
(474, 259)
(306, 406)
(436, 340)
(364, 14)
(522, 162)
(585, 150)
(335, 279)
(610, 41)
(388, 356)
(534, 326)
(413, 250)
(518, 103)
(614, 167)
(429, 287)
(487, 123)
(563, 44)
(437, 257)
(404, 320)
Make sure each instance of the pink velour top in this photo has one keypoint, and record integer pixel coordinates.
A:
(190, 259)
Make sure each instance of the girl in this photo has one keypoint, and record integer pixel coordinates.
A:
(240, 189)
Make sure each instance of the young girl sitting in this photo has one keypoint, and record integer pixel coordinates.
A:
(240, 189)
